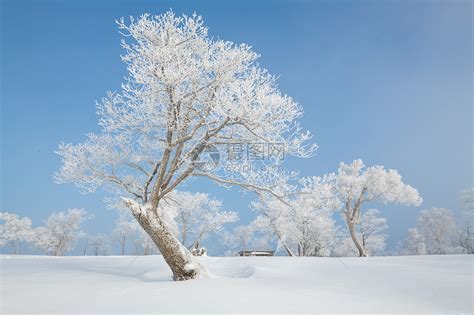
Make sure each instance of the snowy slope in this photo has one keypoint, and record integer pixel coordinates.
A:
(241, 284)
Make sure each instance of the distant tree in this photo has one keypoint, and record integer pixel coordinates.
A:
(438, 229)
(85, 245)
(253, 236)
(14, 230)
(414, 243)
(197, 216)
(467, 200)
(345, 248)
(145, 243)
(302, 224)
(355, 185)
(99, 245)
(274, 220)
(61, 231)
(263, 238)
(187, 95)
(241, 237)
(466, 226)
(124, 231)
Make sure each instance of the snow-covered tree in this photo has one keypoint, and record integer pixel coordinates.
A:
(125, 231)
(466, 226)
(263, 237)
(355, 185)
(244, 238)
(187, 98)
(14, 230)
(99, 245)
(274, 220)
(467, 200)
(241, 237)
(345, 248)
(370, 232)
(414, 243)
(257, 235)
(61, 231)
(438, 229)
(145, 243)
(302, 224)
(197, 216)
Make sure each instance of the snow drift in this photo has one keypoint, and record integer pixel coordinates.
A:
(238, 284)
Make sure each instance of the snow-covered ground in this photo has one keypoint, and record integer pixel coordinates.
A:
(240, 284)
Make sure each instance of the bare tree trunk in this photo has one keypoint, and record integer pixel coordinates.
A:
(14, 247)
(360, 247)
(287, 249)
(184, 233)
(182, 263)
(122, 244)
(282, 242)
(85, 248)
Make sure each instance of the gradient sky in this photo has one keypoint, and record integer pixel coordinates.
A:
(386, 81)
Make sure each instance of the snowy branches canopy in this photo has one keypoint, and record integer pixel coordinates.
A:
(14, 230)
(437, 233)
(61, 231)
(124, 231)
(253, 236)
(466, 231)
(185, 94)
(438, 227)
(355, 185)
(194, 216)
(99, 244)
(303, 224)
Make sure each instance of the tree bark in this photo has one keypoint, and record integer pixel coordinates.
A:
(182, 263)
(355, 239)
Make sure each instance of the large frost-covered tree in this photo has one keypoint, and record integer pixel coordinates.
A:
(14, 230)
(61, 231)
(355, 185)
(187, 97)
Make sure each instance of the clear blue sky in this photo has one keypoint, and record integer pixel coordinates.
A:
(386, 81)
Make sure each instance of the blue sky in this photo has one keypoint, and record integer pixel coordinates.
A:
(386, 81)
